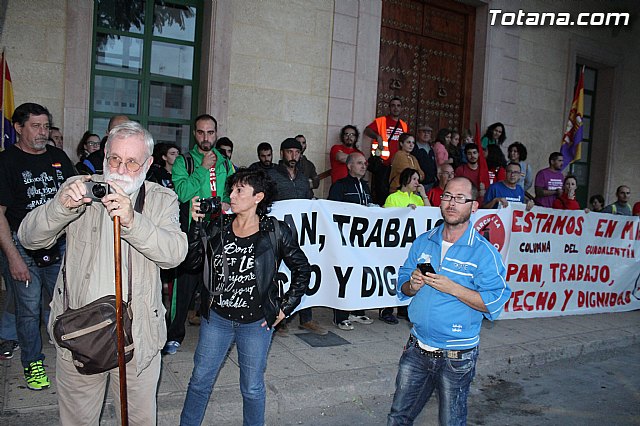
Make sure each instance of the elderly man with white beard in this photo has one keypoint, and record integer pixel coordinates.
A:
(151, 239)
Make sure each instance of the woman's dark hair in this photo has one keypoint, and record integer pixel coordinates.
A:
(522, 150)
(597, 197)
(403, 137)
(160, 150)
(495, 157)
(80, 151)
(442, 135)
(259, 181)
(490, 129)
(567, 177)
(406, 175)
(355, 129)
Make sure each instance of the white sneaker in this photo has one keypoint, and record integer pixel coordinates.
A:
(345, 325)
(362, 319)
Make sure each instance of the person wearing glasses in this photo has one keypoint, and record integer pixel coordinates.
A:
(89, 143)
(151, 239)
(349, 135)
(621, 206)
(446, 308)
(500, 194)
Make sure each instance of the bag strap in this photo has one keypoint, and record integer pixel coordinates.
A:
(206, 273)
(275, 238)
(138, 206)
(393, 132)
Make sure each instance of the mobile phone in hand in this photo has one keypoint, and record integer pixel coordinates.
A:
(426, 267)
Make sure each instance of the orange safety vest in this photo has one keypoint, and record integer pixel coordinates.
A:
(381, 124)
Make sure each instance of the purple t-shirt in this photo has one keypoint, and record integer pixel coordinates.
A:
(550, 180)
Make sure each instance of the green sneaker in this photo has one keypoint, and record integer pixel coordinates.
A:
(36, 377)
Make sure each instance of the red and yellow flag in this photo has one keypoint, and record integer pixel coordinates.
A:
(8, 105)
(482, 160)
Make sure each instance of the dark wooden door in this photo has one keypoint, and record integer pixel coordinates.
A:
(426, 59)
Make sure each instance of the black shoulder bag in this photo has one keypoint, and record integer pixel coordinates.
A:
(89, 332)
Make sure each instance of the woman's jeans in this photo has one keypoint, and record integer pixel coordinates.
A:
(216, 336)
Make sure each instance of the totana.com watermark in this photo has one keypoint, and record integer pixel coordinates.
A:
(522, 18)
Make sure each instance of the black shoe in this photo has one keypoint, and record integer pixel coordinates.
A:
(7, 348)
(388, 317)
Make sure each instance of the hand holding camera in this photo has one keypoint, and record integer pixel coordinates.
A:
(73, 194)
(200, 207)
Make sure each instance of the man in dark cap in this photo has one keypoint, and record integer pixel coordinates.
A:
(291, 183)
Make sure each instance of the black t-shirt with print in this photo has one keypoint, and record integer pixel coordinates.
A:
(30, 180)
(239, 300)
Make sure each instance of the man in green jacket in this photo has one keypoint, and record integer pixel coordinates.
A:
(201, 173)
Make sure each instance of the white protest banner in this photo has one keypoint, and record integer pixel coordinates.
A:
(356, 251)
(558, 262)
(563, 262)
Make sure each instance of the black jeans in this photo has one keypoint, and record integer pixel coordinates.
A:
(184, 289)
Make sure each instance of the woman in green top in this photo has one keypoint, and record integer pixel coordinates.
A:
(410, 193)
(495, 135)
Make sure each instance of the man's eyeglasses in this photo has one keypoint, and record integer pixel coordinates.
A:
(115, 161)
(353, 135)
(459, 199)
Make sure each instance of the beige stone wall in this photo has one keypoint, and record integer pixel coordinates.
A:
(528, 84)
(279, 75)
(33, 36)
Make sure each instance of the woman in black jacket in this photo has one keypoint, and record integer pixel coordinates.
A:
(242, 301)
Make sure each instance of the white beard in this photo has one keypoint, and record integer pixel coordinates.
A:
(128, 184)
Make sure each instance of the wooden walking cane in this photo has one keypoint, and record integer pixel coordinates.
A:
(122, 366)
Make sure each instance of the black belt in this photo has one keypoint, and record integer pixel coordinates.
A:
(438, 353)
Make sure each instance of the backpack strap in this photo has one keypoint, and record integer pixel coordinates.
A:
(188, 162)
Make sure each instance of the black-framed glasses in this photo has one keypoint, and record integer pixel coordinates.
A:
(114, 162)
(459, 199)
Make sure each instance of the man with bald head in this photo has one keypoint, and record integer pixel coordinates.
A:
(453, 278)
(445, 173)
(93, 163)
(352, 189)
(621, 206)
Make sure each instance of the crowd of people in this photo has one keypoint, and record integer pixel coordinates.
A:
(202, 249)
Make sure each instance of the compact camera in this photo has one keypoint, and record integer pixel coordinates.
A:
(97, 190)
(211, 205)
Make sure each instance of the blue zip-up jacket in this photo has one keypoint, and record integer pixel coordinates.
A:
(442, 320)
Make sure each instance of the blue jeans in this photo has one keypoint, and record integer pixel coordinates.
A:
(216, 336)
(28, 300)
(8, 318)
(418, 376)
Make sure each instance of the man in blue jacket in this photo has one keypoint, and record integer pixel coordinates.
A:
(446, 309)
